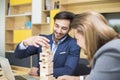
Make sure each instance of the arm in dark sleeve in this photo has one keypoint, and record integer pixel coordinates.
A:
(22, 53)
(70, 63)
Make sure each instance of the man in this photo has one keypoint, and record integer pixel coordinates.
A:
(65, 49)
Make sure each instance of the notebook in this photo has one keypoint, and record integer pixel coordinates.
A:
(5, 65)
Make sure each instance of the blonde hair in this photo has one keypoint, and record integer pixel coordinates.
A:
(95, 29)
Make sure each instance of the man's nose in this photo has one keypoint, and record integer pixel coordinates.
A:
(59, 30)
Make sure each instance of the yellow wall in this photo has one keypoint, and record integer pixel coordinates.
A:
(19, 2)
(19, 35)
(52, 14)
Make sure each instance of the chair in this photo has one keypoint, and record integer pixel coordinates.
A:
(82, 68)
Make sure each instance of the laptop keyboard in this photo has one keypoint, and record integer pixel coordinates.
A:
(24, 77)
(19, 78)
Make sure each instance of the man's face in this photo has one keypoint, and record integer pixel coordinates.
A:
(61, 28)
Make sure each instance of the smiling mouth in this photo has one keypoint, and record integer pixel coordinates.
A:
(57, 34)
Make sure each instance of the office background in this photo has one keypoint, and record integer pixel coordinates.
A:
(40, 13)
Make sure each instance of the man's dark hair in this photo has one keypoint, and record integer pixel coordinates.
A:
(65, 15)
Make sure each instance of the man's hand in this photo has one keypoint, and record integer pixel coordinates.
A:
(36, 41)
(33, 71)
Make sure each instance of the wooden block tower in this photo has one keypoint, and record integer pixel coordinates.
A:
(46, 64)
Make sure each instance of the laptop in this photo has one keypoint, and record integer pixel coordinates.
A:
(6, 68)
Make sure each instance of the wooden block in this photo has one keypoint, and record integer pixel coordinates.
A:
(45, 74)
(45, 54)
(46, 68)
(47, 77)
(46, 50)
(46, 64)
(46, 58)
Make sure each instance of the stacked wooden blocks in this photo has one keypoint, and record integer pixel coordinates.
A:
(46, 64)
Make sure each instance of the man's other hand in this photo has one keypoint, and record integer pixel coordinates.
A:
(33, 71)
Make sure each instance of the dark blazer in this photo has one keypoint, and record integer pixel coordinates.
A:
(106, 62)
(65, 59)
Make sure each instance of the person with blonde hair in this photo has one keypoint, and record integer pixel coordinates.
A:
(101, 44)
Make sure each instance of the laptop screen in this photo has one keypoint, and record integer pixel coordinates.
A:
(5, 65)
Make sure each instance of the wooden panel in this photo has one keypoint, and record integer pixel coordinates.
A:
(23, 9)
(9, 23)
(20, 22)
(102, 6)
(17, 22)
(9, 47)
(19, 2)
(20, 13)
(36, 29)
(75, 1)
(8, 36)
(19, 35)
(85, 2)
(45, 29)
(45, 13)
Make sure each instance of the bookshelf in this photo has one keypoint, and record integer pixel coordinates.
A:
(45, 24)
(16, 19)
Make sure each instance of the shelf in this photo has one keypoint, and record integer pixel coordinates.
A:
(102, 6)
(10, 43)
(46, 11)
(16, 22)
(45, 24)
(21, 9)
(17, 36)
(42, 24)
(73, 2)
(11, 29)
(10, 51)
(85, 2)
(19, 15)
(10, 47)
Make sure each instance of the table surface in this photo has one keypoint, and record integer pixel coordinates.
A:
(17, 70)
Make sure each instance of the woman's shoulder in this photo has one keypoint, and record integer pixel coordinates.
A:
(111, 46)
(115, 43)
